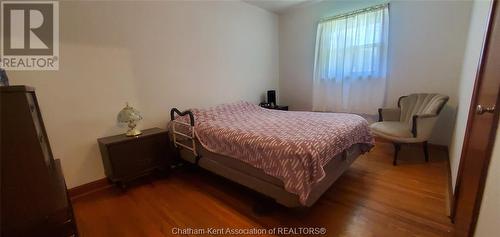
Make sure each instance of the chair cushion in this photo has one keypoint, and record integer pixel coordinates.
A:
(390, 129)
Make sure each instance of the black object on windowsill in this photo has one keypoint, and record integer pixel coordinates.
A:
(271, 106)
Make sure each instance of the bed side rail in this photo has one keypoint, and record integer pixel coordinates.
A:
(190, 126)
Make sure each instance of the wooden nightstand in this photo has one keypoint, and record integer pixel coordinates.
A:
(276, 107)
(127, 158)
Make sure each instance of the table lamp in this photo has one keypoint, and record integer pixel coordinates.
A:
(131, 116)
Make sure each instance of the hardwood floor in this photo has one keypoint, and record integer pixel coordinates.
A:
(373, 198)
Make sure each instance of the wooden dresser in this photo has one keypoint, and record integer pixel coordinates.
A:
(34, 200)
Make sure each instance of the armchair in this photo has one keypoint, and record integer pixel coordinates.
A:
(412, 122)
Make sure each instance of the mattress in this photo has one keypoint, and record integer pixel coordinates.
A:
(291, 146)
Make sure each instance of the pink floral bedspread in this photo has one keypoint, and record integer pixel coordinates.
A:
(291, 146)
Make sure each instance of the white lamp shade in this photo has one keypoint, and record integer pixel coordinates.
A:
(129, 114)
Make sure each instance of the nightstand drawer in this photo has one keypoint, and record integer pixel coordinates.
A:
(133, 157)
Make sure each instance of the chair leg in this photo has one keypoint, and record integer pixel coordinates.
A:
(426, 151)
(397, 147)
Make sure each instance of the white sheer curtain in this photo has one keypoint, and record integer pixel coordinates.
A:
(350, 65)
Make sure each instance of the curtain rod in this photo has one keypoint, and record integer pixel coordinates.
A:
(372, 8)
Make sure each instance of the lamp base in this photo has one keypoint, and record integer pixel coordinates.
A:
(133, 132)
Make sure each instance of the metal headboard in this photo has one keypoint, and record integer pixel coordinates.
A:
(190, 127)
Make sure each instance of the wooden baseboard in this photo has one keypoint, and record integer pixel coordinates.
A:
(87, 188)
(451, 197)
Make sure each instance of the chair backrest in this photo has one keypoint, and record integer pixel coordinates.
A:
(420, 104)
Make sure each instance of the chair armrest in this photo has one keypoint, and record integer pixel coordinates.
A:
(389, 114)
(422, 125)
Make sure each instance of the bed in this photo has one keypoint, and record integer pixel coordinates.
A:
(290, 156)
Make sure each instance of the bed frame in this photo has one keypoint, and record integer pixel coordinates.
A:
(240, 172)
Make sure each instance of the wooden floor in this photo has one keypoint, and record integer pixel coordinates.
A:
(373, 198)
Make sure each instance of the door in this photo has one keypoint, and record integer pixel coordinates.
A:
(480, 134)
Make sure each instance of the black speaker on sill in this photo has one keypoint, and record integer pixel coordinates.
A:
(271, 97)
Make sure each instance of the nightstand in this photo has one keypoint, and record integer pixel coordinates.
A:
(127, 158)
(276, 107)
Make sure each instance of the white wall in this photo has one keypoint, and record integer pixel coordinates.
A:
(155, 55)
(427, 40)
(489, 215)
(477, 31)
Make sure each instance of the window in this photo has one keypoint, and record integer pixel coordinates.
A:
(351, 57)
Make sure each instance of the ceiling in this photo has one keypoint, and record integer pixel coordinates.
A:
(276, 6)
